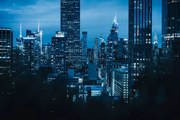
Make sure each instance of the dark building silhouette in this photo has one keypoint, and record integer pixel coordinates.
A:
(171, 28)
(58, 53)
(70, 25)
(140, 37)
(6, 47)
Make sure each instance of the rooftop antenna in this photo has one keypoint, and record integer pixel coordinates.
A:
(20, 32)
(38, 26)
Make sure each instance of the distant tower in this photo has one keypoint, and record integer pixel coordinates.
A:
(140, 38)
(6, 47)
(102, 51)
(155, 40)
(40, 36)
(112, 50)
(20, 31)
(84, 47)
(38, 30)
(171, 29)
(102, 58)
(70, 25)
(58, 53)
(19, 41)
(115, 24)
(96, 51)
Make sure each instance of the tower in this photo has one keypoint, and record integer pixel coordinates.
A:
(39, 32)
(140, 38)
(112, 50)
(96, 51)
(84, 47)
(70, 25)
(6, 47)
(58, 53)
(171, 28)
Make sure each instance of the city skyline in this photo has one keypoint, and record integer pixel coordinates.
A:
(94, 13)
(89, 59)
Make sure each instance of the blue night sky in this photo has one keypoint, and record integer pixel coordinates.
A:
(96, 17)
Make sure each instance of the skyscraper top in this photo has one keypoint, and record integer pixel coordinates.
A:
(115, 23)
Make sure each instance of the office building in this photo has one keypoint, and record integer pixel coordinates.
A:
(140, 38)
(96, 53)
(70, 25)
(84, 47)
(120, 83)
(30, 48)
(46, 54)
(112, 60)
(171, 28)
(6, 47)
(102, 59)
(58, 53)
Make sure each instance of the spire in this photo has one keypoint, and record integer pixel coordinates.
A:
(115, 21)
(115, 24)
(38, 26)
(20, 30)
(155, 38)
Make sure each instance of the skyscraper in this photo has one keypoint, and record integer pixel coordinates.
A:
(171, 28)
(70, 25)
(96, 51)
(6, 47)
(140, 37)
(112, 50)
(102, 58)
(58, 53)
(28, 53)
(102, 52)
(30, 48)
(84, 47)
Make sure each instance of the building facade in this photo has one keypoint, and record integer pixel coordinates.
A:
(6, 48)
(140, 38)
(171, 28)
(120, 83)
(112, 60)
(58, 53)
(96, 51)
(84, 47)
(70, 25)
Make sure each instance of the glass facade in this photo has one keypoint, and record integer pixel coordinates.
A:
(6, 42)
(140, 37)
(171, 27)
(58, 53)
(70, 25)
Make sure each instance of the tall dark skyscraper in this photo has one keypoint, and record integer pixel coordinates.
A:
(58, 53)
(171, 27)
(70, 25)
(140, 37)
(6, 46)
